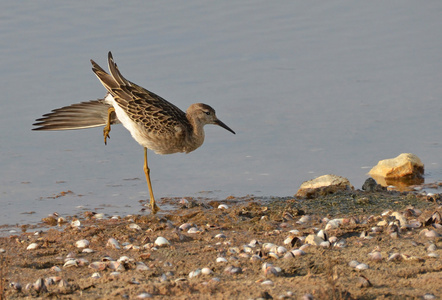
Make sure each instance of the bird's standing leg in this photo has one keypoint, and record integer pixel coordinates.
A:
(107, 128)
(154, 206)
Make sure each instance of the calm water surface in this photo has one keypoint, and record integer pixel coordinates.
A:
(310, 89)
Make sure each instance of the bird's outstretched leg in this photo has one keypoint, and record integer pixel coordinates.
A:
(107, 128)
(154, 206)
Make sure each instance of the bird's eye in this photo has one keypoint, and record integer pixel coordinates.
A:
(207, 113)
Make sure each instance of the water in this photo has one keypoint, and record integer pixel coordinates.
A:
(310, 89)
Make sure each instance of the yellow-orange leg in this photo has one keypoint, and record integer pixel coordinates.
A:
(107, 128)
(154, 206)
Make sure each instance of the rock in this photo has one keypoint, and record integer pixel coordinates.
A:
(322, 185)
(370, 185)
(406, 165)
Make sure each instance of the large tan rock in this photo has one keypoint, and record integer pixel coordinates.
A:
(406, 166)
(322, 185)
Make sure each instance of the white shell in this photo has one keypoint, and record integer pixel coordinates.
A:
(353, 263)
(141, 266)
(143, 296)
(33, 246)
(195, 273)
(113, 243)
(160, 241)
(193, 230)
(221, 260)
(70, 263)
(267, 282)
(222, 206)
(76, 223)
(134, 226)
(88, 250)
(82, 243)
(220, 236)
(362, 267)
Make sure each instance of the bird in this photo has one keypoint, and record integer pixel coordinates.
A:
(153, 122)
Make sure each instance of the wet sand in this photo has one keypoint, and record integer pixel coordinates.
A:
(226, 252)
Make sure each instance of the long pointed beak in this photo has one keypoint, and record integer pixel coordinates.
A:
(219, 123)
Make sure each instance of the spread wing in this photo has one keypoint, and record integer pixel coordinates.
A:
(142, 106)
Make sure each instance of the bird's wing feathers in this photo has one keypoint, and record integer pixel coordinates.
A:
(142, 106)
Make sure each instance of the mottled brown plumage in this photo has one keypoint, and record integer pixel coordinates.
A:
(154, 122)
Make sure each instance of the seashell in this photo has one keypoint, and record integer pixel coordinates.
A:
(140, 266)
(113, 243)
(433, 255)
(297, 252)
(2, 250)
(332, 224)
(394, 256)
(271, 271)
(115, 217)
(82, 262)
(375, 256)
(134, 226)
(82, 243)
(304, 247)
(193, 230)
(195, 273)
(16, 286)
(353, 263)
(63, 284)
(294, 231)
(186, 226)
(342, 243)
(115, 274)
(220, 236)
(40, 286)
(323, 235)
(273, 255)
(144, 295)
(362, 267)
(288, 255)
(304, 219)
(56, 269)
(221, 260)
(244, 255)
(124, 259)
(98, 265)
(247, 249)
(414, 224)
(432, 247)
(75, 223)
(431, 234)
(116, 265)
(313, 239)
(233, 270)
(234, 250)
(161, 242)
(99, 216)
(429, 296)
(364, 282)
(70, 263)
(333, 239)
(255, 257)
(254, 243)
(400, 217)
(55, 279)
(268, 246)
(49, 281)
(325, 244)
(206, 271)
(267, 282)
(87, 250)
(61, 220)
(33, 246)
(281, 250)
(223, 206)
